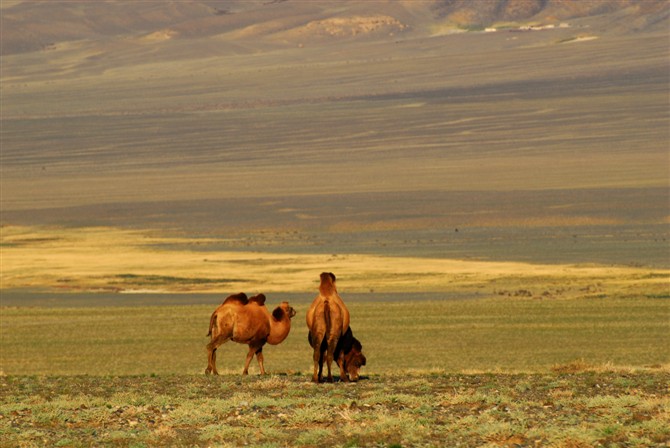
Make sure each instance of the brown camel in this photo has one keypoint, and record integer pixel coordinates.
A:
(327, 320)
(247, 321)
(348, 355)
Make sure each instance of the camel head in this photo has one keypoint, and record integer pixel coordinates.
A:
(328, 277)
(327, 286)
(354, 360)
(283, 310)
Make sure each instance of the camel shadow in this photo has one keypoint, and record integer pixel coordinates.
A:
(336, 379)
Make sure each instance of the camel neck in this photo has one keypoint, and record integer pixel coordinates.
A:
(327, 290)
(279, 330)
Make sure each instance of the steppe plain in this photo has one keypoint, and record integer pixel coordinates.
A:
(502, 195)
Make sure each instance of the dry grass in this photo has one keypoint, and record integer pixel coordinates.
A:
(109, 259)
(562, 410)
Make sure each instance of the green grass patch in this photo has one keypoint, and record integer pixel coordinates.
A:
(500, 334)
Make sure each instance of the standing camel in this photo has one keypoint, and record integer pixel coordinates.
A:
(327, 320)
(247, 321)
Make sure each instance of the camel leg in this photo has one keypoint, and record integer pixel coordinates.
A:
(329, 359)
(252, 351)
(318, 365)
(259, 358)
(248, 361)
(343, 373)
(329, 362)
(211, 362)
(321, 355)
(312, 343)
(215, 343)
(316, 340)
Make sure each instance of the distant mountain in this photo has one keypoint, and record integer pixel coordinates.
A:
(38, 25)
(487, 12)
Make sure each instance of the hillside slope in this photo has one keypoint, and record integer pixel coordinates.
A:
(372, 126)
(31, 26)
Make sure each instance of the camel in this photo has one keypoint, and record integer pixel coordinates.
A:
(247, 321)
(348, 355)
(327, 320)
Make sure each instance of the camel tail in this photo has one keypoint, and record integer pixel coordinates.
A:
(212, 321)
(326, 316)
(324, 342)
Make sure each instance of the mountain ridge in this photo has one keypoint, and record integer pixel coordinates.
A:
(34, 26)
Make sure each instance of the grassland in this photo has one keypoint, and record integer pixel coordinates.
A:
(504, 353)
(494, 372)
(432, 409)
(498, 334)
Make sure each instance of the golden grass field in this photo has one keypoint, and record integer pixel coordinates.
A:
(132, 261)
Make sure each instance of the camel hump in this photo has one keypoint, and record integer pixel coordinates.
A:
(240, 298)
(259, 299)
(327, 286)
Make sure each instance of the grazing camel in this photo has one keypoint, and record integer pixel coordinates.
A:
(348, 356)
(247, 321)
(327, 320)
